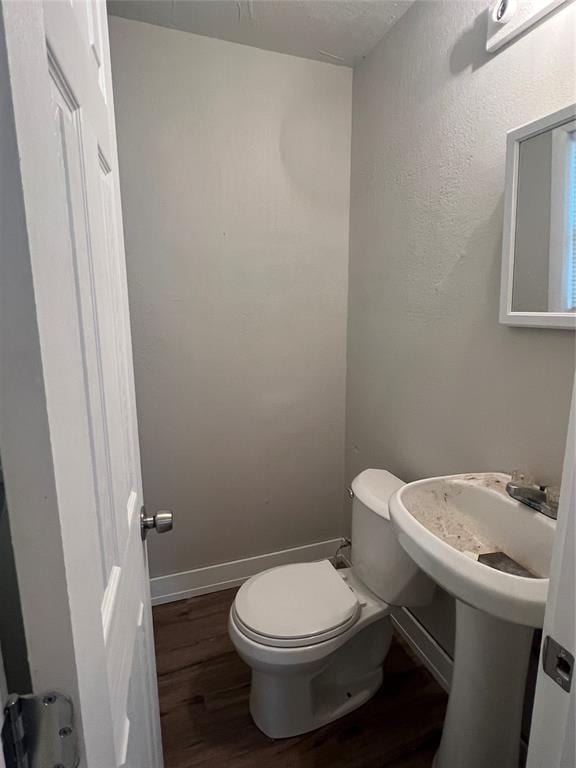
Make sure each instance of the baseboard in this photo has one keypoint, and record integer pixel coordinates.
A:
(201, 581)
(424, 645)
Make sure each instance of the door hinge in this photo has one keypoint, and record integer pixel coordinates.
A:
(38, 732)
(558, 663)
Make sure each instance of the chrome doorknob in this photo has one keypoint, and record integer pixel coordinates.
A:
(162, 521)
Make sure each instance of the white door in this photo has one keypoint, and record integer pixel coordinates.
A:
(553, 727)
(68, 432)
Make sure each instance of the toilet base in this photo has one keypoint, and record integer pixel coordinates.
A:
(281, 714)
(287, 701)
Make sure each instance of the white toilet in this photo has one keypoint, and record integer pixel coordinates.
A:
(316, 637)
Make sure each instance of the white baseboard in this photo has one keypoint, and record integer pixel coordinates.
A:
(424, 645)
(201, 581)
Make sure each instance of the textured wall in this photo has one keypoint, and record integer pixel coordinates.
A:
(235, 168)
(435, 384)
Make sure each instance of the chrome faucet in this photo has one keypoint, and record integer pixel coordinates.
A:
(542, 498)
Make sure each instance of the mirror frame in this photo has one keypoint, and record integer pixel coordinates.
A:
(566, 320)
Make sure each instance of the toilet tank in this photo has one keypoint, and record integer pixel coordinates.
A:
(377, 557)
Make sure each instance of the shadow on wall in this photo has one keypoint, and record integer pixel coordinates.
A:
(481, 251)
(470, 49)
(318, 180)
(483, 244)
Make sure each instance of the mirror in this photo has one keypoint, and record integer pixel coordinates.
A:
(539, 243)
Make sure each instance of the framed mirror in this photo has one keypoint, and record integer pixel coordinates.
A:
(538, 284)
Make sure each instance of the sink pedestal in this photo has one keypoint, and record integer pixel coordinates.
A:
(484, 716)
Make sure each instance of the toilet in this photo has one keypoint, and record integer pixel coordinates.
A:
(315, 637)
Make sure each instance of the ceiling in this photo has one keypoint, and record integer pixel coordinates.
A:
(337, 31)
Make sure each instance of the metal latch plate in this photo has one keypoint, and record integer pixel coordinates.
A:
(38, 732)
(558, 663)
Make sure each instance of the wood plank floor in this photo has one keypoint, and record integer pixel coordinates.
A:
(204, 689)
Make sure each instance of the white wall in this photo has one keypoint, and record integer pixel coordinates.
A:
(235, 181)
(435, 384)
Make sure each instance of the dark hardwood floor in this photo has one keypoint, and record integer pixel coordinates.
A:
(204, 689)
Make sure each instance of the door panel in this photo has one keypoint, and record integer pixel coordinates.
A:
(68, 127)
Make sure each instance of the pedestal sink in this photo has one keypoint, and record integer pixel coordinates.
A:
(445, 524)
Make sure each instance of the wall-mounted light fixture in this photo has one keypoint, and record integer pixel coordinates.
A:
(509, 18)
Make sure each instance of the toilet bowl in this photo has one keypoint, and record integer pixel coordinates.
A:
(315, 637)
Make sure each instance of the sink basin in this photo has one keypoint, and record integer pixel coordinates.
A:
(445, 523)
(449, 526)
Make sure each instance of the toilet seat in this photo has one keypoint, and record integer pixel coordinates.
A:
(295, 605)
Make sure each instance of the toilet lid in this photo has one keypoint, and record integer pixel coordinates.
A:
(296, 604)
